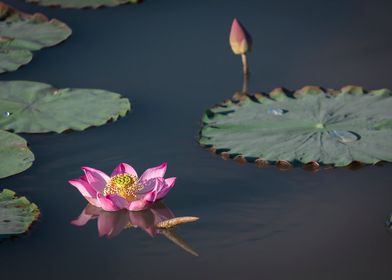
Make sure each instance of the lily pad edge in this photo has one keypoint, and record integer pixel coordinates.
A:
(23, 144)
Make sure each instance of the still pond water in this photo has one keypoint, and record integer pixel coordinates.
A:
(172, 60)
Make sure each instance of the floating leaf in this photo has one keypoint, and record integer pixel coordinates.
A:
(334, 127)
(21, 33)
(31, 32)
(16, 214)
(14, 154)
(83, 3)
(38, 108)
(10, 60)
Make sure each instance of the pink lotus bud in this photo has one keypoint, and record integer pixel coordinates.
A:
(240, 40)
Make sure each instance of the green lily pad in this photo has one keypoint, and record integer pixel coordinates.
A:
(21, 33)
(16, 214)
(10, 60)
(14, 154)
(30, 32)
(83, 3)
(309, 125)
(38, 108)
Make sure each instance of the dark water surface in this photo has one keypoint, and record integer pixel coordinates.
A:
(172, 59)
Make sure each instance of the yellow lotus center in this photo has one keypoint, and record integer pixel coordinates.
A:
(123, 185)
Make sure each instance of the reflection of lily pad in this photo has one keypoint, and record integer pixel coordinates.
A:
(14, 154)
(16, 214)
(37, 108)
(21, 33)
(10, 60)
(333, 127)
(83, 3)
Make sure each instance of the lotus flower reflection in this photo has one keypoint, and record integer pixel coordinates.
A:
(111, 224)
(124, 189)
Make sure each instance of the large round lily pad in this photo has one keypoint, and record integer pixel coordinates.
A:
(16, 214)
(14, 154)
(82, 3)
(309, 125)
(37, 107)
(21, 33)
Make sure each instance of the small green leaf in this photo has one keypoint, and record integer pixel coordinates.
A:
(16, 214)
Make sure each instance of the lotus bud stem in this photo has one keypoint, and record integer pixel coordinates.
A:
(245, 67)
(241, 43)
(245, 79)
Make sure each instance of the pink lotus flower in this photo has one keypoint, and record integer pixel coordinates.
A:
(111, 224)
(240, 40)
(124, 189)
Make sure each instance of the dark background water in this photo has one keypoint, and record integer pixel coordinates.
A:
(172, 59)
